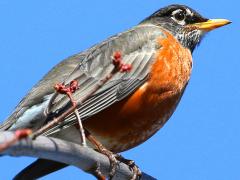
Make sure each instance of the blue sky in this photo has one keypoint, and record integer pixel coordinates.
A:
(201, 140)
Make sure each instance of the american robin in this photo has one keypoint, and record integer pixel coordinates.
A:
(130, 107)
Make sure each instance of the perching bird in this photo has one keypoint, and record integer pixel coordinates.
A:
(131, 107)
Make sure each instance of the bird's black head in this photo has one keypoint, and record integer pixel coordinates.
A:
(187, 25)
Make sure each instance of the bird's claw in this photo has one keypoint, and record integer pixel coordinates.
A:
(115, 159)
(113, 162)
(133, 167)
(136, 171)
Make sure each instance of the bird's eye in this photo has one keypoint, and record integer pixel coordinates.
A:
(180, 16)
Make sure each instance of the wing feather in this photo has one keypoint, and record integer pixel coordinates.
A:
(138, 48)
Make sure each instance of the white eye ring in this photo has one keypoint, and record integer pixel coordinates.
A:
(179, 16)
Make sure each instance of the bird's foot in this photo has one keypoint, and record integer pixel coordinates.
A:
(134, 168)
(112, 159)
(95, 171)
(100, 148)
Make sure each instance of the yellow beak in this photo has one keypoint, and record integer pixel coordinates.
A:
(211, 24)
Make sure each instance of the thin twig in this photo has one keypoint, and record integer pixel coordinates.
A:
(53, 122)
(82, 132)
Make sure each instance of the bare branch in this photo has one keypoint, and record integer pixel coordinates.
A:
(84, 158)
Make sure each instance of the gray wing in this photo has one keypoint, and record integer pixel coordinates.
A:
(138, 47)
(44, 88)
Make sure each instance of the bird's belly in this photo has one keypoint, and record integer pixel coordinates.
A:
(132, 121)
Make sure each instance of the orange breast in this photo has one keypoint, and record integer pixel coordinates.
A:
(133, 120)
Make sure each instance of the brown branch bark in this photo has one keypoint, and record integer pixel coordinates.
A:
(73, 154)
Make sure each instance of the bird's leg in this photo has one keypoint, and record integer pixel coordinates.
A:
(135, 169)
(111, 156)
(95, 171)
(114, 158)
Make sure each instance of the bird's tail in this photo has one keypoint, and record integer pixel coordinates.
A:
(39, 168)
(5, 125)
